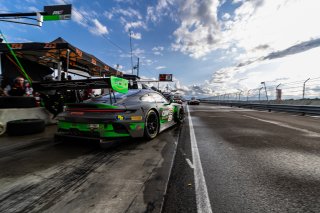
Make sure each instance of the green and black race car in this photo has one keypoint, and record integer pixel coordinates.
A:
(126, 113)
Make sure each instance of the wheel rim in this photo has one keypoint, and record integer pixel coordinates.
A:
(152, 124)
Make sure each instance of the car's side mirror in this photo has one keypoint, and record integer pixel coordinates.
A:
(170, 102)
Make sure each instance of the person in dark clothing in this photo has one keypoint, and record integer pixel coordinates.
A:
(17, 89)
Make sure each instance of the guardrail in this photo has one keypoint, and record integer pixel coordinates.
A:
(301, 109)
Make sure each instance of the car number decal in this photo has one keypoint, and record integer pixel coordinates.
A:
(167, 114)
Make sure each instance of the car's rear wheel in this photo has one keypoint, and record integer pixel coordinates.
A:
(152, 125)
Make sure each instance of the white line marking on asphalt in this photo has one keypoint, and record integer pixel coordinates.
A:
(190, 164)
(202, 197)
(307, 132)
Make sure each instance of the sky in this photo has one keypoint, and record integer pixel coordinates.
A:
(211, 47)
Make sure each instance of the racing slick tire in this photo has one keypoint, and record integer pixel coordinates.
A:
(2, 128)
(179, 117)
(152, 125)
(25, 126)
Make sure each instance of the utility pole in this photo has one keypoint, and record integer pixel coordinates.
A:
(278, 97)
(240, 91)
(138, 67)
(259, 92)
(304, 88)
(68, 61)
(248, 94)
(265, 89)
(131, 52)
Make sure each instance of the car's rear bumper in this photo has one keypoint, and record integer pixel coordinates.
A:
(104, 142)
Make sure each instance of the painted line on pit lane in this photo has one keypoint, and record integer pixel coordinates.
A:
(190, 164)
(202, 197)
(307, 132)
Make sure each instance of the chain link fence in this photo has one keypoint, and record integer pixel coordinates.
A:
(303, 90)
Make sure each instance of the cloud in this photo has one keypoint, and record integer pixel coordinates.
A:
(128, 13)
(291, 68)
(79, 15)
(98, 28)
(151, 16)
(163, 8)
(32, 9)
(56, 1)
(301, 47)
(146, 62)
(88, 20)
(226, 16)
(157, 50)
(133, 25)
(199, 29)
(160, 67)
(138, 52)
(3, 8)
(274, 25)
(136, 35)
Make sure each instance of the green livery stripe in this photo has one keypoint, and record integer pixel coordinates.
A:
(175, 109)
(113, 134)
(136, 126)
(105, 106)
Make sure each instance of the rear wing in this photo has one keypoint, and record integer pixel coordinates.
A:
(115, 83)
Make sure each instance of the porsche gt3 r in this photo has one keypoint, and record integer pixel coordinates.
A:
(137, 113)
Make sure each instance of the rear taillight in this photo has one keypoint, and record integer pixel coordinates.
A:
(95, 110)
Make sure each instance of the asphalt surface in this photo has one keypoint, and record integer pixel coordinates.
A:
(252, 162)
(228, 160)
(38, 175)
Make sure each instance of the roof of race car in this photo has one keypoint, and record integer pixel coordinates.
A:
(132, 93)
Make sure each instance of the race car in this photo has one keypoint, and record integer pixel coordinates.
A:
(193, 101)
(137, 113)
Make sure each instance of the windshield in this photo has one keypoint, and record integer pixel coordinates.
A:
(116, 95)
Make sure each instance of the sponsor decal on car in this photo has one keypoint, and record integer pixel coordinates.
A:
(136, 118)
(120, 117)
(93, 126)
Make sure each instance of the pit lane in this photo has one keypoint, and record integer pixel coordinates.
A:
(77, 176)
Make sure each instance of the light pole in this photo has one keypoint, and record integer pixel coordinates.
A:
(278, 92)
(259, 92)
(240, 91)
(265, 89)
(248, 94)
(304, 88)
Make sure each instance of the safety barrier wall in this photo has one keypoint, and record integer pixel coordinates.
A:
(303, 109)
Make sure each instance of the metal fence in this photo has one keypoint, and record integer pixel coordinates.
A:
(301, 109)
(304, 89)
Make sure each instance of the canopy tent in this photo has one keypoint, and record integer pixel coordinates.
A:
(37, 59)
